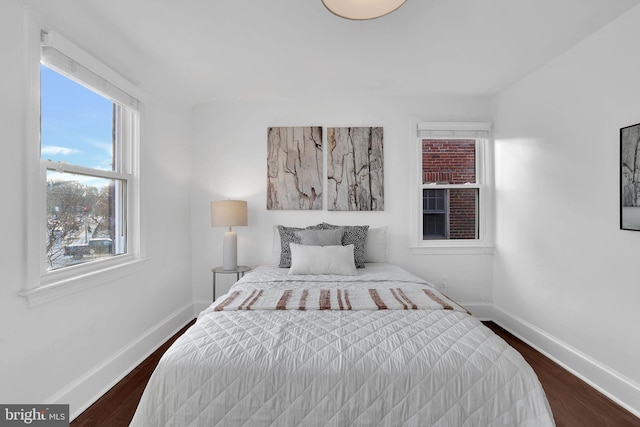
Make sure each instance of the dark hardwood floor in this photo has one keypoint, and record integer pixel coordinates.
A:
(117, 406)
(573, 402)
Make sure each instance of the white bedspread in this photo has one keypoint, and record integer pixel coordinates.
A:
(341, 368)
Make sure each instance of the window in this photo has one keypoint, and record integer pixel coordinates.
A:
(85, 184)
(83, 164)
(452, 185)
(434, 214)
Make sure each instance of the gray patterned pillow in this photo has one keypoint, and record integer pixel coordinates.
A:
(355, 235)
(331, 237)
(288, 235)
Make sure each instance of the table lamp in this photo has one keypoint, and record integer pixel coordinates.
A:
(229, 213)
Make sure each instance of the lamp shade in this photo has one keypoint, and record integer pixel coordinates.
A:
(362, 9)
(228, 213)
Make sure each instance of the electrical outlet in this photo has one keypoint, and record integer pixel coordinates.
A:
(443, 284)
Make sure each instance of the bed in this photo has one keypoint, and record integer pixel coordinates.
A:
(378, 347)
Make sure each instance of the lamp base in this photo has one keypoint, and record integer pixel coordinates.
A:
(230, 251)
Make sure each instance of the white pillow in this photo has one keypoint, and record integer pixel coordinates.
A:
(375, 247)
(276, 243)
(322, 260)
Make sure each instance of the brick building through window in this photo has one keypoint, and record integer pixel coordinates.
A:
(449, 211)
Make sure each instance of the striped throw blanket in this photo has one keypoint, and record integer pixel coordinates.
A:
(336, 299)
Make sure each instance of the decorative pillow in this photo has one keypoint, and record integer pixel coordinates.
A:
(322, 260)
(276, 247)
(355, 235)
(288, 235)
(331, 237)
(375, 247)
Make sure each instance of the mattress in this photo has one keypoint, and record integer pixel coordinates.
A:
(404, 365)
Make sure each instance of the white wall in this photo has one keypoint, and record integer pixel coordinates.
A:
(229, 161)
(566, 277)
(72, 349)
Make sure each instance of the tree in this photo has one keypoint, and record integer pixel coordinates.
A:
(65, 208)
(74, 211)
(102, 211)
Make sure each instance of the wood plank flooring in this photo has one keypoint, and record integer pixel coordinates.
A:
(117, 406)
(573, 402)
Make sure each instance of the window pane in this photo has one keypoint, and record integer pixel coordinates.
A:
(450, 214)
(434, 218)
(434, 201)
(448, 161)
(81, 222)
(463, 208)
(77, 124)
(434, 226)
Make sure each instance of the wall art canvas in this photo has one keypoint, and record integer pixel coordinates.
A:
(355, 175)
(294, 168)
(630, 178)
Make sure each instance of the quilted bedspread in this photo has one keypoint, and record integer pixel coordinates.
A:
(368, 367)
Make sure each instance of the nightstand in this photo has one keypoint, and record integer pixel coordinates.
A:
(238, 271)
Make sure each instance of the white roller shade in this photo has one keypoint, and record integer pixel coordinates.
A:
(453, 130)
(53, 58)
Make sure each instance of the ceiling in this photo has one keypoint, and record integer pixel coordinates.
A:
(196, 51)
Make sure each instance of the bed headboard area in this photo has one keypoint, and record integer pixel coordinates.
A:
(370, 243)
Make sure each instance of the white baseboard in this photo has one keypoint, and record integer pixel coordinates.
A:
(84, 391)
(612, 384)
(481, 310)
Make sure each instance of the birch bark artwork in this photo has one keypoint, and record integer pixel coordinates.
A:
(294, 168)
(630, 177)
(630, 152)
(355, 169)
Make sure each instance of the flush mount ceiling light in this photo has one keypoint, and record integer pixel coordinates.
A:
(362, 9)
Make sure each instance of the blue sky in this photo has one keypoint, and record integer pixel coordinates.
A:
(76, 123)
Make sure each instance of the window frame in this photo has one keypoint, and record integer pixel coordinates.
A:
(480, 132)
(41, 285)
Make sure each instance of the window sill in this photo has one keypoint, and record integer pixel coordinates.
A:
(57, 287)
(453, 248)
